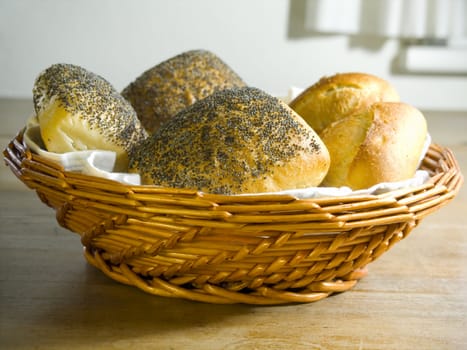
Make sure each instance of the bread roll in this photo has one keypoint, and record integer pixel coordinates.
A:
(78, 110)
(235, 141)
(383, 144)
(341, 95)
(162, 91)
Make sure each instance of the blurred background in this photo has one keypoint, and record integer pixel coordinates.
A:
(420, 46)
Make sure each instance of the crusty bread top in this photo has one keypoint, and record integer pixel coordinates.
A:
(383, 144)
(239, 140)
(340, 95)
(165, 89)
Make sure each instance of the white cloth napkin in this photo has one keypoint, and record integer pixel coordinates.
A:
(93, 162)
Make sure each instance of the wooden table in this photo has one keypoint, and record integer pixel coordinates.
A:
(415, 296)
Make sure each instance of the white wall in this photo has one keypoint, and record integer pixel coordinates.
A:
(119, 39)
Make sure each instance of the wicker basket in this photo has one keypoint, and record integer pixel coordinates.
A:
(259, 249)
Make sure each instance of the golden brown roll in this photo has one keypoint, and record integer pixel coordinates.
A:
(235, 141)
(78, 110)
(162, 91)
(341, 95)
(383, 144)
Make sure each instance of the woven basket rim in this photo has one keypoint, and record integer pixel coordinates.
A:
(248, 197)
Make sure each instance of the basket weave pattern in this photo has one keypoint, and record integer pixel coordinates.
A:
(258, 249)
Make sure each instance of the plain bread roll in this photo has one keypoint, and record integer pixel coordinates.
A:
(383, 144)
(341, 95)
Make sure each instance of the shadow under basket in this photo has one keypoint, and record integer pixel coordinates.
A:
(258, 249)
